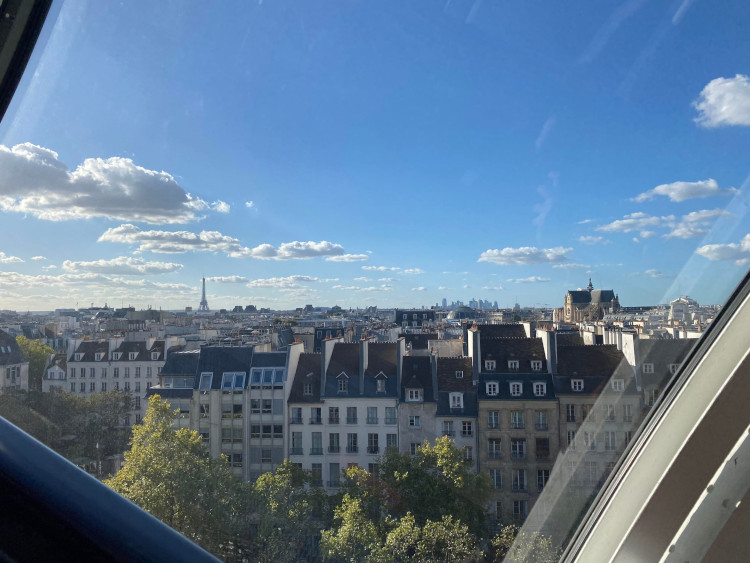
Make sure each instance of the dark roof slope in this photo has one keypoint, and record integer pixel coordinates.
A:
(345, 357)
(522, 350)
(269, 359)
(507, 330)
(446, 373)
(181, 364)
(569, 339)
(221, 359)
(527, 381)
(308, 371)
(89, 349)
(10, 352)
(601, 360)
(584, 296)
(416, 373)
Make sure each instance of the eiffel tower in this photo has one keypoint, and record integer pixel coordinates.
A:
(204, 303)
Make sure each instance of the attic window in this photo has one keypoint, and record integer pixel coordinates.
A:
(516, 389)
(414, 395)
(154, 355)
(78, 357)
(493, 388)
(307, 389)
(205, 382)
(648, 368)
(618, 385)
(489, 365)
(232, 380)
(116, 355)
(459, 374)
(381, 386)
(343, 383)
(513, 364)
(536, 365)
(576, 384)
(540, 389)
(673, 368)
(457, 400)
(132, 355)
(98, 356)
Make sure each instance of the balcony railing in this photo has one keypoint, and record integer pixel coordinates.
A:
(518, 455)
(295, 451)
(333, 449)
(391, 420)
(351, 420)
(495, 455)
(316, 451)
(352, 449)
(333, 420)
(542, 456)
(316, 420)
(628, 418)
(373, 449)
(571, 418)
(467, 434)
(541, 426)
(295, 420)
(449, 433)
(372, 420)
(519, 487)
(517, 425)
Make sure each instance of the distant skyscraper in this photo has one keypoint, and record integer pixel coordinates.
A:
(204, 303)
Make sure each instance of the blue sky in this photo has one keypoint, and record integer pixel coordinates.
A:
(389, 153)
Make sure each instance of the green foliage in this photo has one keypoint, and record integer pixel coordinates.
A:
(355, 536)
(514, 545)
(170, 474)
(36, 352)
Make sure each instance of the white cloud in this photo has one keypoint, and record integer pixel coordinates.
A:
(591, 240)
(227, 279)
(657, 274)
(52, 267)
(288, 282)
(122, 266)
(572, 266)
(738, 252)
(531, 279)
(348, 258)
(525, 255)
(386, 279)
(363, 289)
(363, 279)
(682, 191)
(724, 101)
(413, 271)
(249, 204)
(34, 181)
(37, 258)
(5, 259)
(88, 281)
(647, 234)
(221, 206)
(380, 269)
(584, 221)
(493, 288)
(696, 223)
(546, 130)
(420, 288)
(442, 288)
(177, 242)
(634, 222)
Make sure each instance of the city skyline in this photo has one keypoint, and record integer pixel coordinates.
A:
(362, 155)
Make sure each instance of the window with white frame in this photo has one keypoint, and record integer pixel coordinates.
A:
(489, 365)
(79, 357)
(205, 381)
(520, 509)
(648, 368)
(98, 356)
(467, 428)
(540, 389)
(516, 389)
(496, 475)
(468, 453)
(154, 355)
(493, 388)
(116, 355)
(343, 385)
(589, 440)
(380, 386)
(414, 395)
(673, 368)
(493, 419)
(516, 420)
(627, 412)
(610, 441)
(307, 389)
(459, 374)
(618, 385)
(572, 439)
(414, 421)
(542, 478)
(512, 365)
(132, 355)
(519, 479)
(576, 384)
(457, 400)
(651, 396)
(536, 365)
(609, 412)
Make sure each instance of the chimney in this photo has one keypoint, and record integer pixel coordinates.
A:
(400, 353)
(363, 352)
(549, 342)
(475, 351)
(325, 358)
(433, 371)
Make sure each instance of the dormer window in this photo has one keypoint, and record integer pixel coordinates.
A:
(513, 364)
(205, 381)
(673, 368)
(516, 389)
(414, 395)
(648, 368)
(307, 389)
(116, 355)
(576, 384)
(98, 356)
(381, 385)
(618, 385)
(457, 400)
(489, 365)
(459, 374)
(343, 383)
(493, 388)
(536, 365)
(540, 389)
(154, 355)
(79, 357)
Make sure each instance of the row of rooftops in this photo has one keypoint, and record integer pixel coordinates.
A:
(119, 350)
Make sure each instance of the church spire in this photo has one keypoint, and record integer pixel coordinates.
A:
(590, 286)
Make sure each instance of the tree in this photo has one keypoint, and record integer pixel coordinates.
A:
(355, 537)
(170, 474)
(446, 540)
(286, 515)
(531, 547)
(36, 352)
(98, 423)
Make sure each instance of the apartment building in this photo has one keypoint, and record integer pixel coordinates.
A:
(354, 418)
(417, 410)
(14, 368)
(457, 406)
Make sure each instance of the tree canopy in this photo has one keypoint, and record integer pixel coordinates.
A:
(36, 352)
